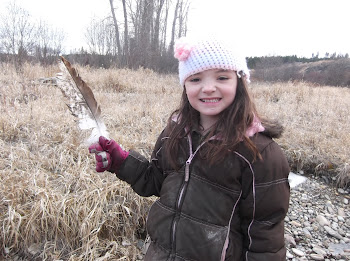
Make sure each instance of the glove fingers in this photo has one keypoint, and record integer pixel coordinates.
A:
(103, 142)
(99, 167)
(96, 147)
(103, 161)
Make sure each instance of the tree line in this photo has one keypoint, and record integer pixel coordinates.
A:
(24, 39)
(141, 33)
(275, 61)
(135, 33)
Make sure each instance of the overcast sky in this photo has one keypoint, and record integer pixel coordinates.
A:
(261, 27)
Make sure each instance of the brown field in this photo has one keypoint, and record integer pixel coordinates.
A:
(54, 206)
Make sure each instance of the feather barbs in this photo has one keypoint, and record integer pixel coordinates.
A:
(81, 101)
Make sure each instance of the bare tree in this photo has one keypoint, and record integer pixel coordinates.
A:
(145, 32)
(23, 38)
(183, 15)
(155, 40)
(96, 37)
(49, 43)
(171, 45)
(117, 37)
(163, 48)
(17, 32)
(126, 36)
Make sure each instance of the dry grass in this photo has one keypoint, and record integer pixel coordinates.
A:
(56, 207)
(316, 119)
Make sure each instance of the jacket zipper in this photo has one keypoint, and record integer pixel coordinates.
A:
(181, 196)
(178, 204)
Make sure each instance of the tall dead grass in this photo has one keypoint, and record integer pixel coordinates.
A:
(316, 120)
(56, 207)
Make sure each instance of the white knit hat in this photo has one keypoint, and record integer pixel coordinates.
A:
(209, 53)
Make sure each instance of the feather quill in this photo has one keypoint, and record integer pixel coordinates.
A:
(81, 101)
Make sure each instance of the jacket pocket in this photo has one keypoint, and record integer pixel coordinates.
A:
(196, 240)
(159, 222)
(267, 236)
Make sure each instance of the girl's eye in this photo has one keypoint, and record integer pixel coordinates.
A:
(195, 80)
(222, 78)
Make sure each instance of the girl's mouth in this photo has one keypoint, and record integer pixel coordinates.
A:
(210, 100)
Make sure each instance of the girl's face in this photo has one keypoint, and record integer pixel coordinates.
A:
(210, 92)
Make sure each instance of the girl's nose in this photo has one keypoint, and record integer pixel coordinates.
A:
(208, 86)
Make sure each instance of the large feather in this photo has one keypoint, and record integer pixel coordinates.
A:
(82, 102)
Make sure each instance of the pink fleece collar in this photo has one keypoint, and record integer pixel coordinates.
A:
(255, 127)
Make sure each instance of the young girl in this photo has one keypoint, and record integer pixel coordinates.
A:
(222, 181)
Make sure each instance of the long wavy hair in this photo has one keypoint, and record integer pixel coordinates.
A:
(230, 128)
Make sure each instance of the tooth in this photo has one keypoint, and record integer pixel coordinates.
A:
(212, 100)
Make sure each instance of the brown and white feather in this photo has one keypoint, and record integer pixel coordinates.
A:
(81, 101)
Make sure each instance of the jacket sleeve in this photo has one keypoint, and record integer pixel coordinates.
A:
(145, 177)
(264, 205)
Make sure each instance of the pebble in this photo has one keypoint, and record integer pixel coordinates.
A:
(289, 240)
(332, 232)
(295, 223)
(322, 220)
(319, 250)
(298, 252)
(341, 219)
(316, 257)
(341, 212)
(307, 233)
(289, 255)
(341, 191)
(317, 225)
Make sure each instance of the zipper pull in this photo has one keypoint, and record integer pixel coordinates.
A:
(187, 169)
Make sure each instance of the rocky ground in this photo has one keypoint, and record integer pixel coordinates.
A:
(317, 226)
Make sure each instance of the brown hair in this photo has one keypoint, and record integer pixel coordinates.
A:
(231, 126)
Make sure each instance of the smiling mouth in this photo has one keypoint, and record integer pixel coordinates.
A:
(210, 100)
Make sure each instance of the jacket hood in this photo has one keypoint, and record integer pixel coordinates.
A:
(273, 129)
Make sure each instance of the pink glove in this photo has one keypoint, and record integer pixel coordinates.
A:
(109, 155)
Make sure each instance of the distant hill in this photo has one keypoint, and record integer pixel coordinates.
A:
(332, 72)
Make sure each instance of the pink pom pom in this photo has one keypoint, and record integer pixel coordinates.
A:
(182, 50)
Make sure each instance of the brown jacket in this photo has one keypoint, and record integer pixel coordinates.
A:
(229, 211)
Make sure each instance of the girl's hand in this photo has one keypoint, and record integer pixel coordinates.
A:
(109, 155)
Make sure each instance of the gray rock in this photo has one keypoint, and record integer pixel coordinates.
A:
(332, 232)
(289, 240)
(298, 252)
(316, 257)
(330, 210)
(322, 220)
(289, 255)
(341, 219)
(295, 223)
(341, 191)
(307, 233)
(319, 250)
(339, 249)
(341, 212)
